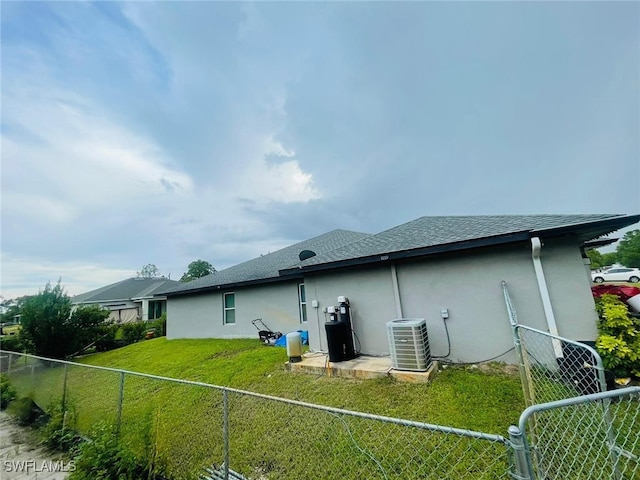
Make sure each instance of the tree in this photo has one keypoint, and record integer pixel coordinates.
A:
(13, 307)
(628, 251)
(149, 271)
(197, 269)
(50, 329)
(609, 258)
(596, 258)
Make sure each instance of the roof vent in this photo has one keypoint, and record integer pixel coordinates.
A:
(304, 254)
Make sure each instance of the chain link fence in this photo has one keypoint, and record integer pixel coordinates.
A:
(552, 367)
(238, 434)
(594, 436)
(573, 428)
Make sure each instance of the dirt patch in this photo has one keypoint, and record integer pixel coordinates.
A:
(23, 458)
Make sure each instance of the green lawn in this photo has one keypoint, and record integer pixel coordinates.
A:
(182, 424)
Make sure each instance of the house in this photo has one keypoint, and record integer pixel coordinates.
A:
(431, 267)
(222, 305)
(129, 300)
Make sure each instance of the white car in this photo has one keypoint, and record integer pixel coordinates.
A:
(617, 274)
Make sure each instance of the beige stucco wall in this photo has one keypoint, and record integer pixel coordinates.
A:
(200, 316)
(469, 286)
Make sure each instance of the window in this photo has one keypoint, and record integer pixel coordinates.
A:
(229, 301)
(302, 297)
(156, 309)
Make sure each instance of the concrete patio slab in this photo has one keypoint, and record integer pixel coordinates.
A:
(363, 367)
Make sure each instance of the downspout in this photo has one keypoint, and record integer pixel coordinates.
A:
(536, 247)
(396, 290)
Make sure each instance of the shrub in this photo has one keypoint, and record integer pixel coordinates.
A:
(618, 342)
(7, 391)
(51, 329)
(107, 339)
(134, 332)
(11, 344)
(160, 325)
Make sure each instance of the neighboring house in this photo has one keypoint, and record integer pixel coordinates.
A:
(414, 270)
(129, 300)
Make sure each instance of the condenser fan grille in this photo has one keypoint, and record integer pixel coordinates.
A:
(409, 344)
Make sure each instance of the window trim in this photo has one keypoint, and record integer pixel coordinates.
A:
(302, 305)
(225, 309)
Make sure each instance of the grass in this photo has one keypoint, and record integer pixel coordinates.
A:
(182, 425)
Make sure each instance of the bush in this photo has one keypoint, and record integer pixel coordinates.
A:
(107, 339)
(11, 344)
(159, 325)
(134, 332)
(618, 342)
(51, 329)
(7, 391)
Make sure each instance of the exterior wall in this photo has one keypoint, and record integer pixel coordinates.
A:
(201, 316)
(570, 290)
(469, 286)
(370, 293)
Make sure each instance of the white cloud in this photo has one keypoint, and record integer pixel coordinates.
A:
(265, 179)
(23, 275)
(62, 156)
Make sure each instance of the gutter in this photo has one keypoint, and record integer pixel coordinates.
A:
(536, 247)
(396, 291)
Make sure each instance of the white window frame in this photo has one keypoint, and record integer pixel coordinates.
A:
(226, 309)
(302, 305)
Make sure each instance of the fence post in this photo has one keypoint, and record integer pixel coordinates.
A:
(64, 388)
(611, 439)
(10, 362)
(521, 459)
(513, 320)
(120, 400)
(225, 431)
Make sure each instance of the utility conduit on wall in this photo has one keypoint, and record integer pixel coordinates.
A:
(536, 247)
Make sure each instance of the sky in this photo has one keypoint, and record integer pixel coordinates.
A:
(165, 132)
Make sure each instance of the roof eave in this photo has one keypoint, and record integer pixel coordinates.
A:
(413, 253)
(232, 285)
(594, 229)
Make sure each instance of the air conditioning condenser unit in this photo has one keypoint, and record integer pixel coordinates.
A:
(409, 344)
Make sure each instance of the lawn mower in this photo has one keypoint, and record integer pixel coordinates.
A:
(267, 336)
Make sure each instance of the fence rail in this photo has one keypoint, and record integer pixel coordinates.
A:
(235, 432)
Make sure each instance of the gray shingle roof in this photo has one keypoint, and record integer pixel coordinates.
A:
(427, 232)
(125, 290)
(268, 266)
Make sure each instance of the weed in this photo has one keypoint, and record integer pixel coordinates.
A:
(7, 391)
(26, 411)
